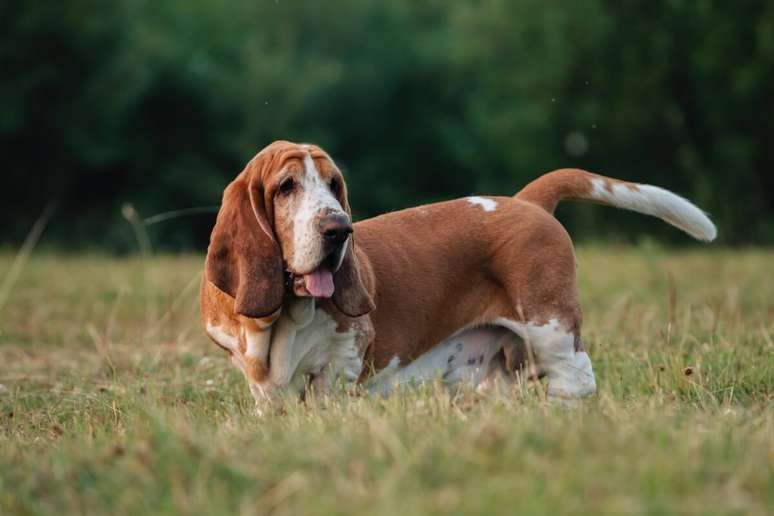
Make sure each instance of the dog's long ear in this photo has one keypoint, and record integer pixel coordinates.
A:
(244, 259)
(350, 294)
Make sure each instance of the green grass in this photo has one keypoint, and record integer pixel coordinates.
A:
(112, 401)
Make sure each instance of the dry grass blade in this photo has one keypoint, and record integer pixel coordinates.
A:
(23, 255)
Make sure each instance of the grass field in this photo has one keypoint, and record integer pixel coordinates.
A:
(112, 401)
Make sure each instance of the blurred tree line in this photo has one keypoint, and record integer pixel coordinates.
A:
(161, 103)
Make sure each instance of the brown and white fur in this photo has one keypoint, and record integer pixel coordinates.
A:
(465, 289)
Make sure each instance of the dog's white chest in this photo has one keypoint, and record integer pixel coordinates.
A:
(305, 342)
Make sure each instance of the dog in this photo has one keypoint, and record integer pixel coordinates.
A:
(466, 290)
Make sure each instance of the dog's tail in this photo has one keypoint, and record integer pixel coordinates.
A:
(568, 183)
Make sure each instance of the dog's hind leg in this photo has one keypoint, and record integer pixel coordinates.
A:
(559, 356)
(566, 365)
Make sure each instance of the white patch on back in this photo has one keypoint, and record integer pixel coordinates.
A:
(486, 204)
(315, 198)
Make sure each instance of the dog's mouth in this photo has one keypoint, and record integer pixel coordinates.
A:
(319, 282)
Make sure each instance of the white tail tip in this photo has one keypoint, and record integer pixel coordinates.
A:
(655, 201)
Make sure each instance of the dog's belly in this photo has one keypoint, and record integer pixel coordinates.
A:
(470, 357)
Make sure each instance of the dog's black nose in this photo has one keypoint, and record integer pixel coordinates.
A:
(335, 228)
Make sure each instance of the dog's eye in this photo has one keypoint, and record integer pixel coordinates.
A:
(335, 186)
(286, 186)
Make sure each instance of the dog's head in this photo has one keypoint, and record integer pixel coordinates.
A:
(286, 217)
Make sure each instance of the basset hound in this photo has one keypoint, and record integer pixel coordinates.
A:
(465, 290)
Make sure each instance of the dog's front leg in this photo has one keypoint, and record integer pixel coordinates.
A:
(271, 357)
(286, 350)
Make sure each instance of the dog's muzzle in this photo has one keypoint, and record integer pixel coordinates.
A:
(335, 230)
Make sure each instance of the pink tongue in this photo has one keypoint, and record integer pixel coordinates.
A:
(319, 283)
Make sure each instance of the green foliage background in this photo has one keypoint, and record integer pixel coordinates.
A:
(161, 103)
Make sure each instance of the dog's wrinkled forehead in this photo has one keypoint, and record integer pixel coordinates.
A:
(311, 175)
(314, 164)
(282, 156)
